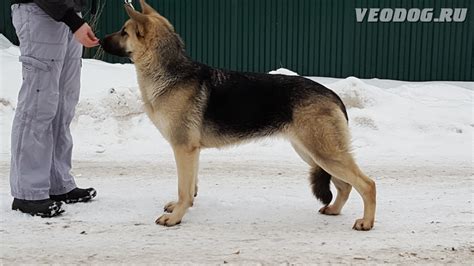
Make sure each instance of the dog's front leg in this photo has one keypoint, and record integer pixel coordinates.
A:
(187, 159)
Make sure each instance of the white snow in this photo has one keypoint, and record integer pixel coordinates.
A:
(254, 204)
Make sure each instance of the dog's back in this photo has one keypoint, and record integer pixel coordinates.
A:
(243, 104)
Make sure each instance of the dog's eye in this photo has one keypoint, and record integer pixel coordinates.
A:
(123, 32)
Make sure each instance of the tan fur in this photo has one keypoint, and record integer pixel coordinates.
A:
(319, 131)
(175, 119)
(343, 191)
(187, 160)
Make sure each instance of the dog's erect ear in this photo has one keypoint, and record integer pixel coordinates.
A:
(135, 15)
(146, 8)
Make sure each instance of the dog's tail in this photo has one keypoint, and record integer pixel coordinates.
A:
(320, 184)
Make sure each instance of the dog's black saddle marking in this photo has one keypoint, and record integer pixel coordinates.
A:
(253, 103)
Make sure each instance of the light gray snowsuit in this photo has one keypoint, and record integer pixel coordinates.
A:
(41, 144)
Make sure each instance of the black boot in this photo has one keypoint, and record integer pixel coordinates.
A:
(44, 208)
(75, 195)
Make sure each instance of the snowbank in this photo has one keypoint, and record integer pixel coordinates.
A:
(389, 119)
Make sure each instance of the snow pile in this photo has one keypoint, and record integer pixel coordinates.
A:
(4, 42)
(388, 119)
(413, 118)
(417, 107)
(283, 71)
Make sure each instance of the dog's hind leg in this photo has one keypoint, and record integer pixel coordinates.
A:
(319, 179)
(324, 133)
(320, 182)
(344, 168)
(303, 154)
(187, 160)
(196, 170)
(343, 191)
(196, 182)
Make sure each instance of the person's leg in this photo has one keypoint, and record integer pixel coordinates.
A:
(63, 186)
(43, 47)
(69, 85)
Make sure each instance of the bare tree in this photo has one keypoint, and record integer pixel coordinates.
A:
(96, 52)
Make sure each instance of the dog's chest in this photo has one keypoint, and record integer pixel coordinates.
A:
(157, 112)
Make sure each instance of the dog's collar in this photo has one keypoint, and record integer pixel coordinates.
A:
(129, 3)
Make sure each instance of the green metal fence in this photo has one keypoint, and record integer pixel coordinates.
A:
(311, 37)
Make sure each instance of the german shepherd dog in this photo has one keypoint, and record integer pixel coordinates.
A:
(195, 106)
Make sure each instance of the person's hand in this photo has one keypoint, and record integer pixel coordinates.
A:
(86, 36)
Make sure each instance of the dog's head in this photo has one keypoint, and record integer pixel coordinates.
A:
(142, 32)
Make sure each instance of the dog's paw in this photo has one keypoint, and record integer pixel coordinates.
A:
(169, 207)
(363, 225)
(329, 210)
(168, 220)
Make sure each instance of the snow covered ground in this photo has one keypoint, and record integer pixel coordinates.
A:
(254, 204)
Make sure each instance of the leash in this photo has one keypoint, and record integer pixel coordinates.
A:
(129, 3)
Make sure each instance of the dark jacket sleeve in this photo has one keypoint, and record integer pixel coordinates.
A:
(62, 10)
